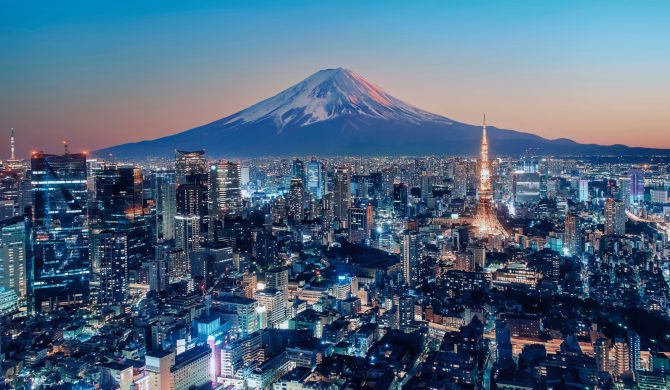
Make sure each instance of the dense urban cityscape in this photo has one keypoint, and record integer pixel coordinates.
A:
(437, 272)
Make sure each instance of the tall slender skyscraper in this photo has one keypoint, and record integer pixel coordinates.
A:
(583, 192)
(296, 209)
(60, 261)
(573, 236)
(410, 257)
(486, 220)
(636, 186)
(165, 194)
(341, 195)
(615, 218)
(191, 210)
(315, 178)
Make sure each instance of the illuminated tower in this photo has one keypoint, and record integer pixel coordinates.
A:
(486, 221)
(12, 146)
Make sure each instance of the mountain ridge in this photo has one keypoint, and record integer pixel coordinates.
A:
(338, 112)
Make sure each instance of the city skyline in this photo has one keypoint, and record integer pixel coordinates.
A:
(589, 73)
(311, 195)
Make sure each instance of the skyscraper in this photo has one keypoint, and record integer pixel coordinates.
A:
(357, 225)
(341, 195)
(410, 257)
(583, 192)
(369, 219)
(400, 199)
(190, 166)
(624, 191)
(315, 178)
(191, 210)
(573, 237)
(298, 170)
(109, 253)
(13, 254)
(225, 187)
(165, 195)
(60, 262)
(636, 185)
(486, 220)
(405, 311)
(296, 209)
(118, 194)
(615, 218)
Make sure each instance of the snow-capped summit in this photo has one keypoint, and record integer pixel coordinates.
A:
(338, 112)
(329, 94)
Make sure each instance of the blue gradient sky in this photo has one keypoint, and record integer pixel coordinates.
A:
(98, 73)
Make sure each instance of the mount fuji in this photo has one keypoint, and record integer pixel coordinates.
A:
(338, 112)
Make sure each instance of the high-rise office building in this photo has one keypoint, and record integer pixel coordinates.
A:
(341, 195)
(191, 200)
(225, 187)
(405, 311)
(298, 170)
(118, 195)
(583, 192)
(659, 194)
(358, 230)
(165, 195)
(573, 235)
(295, 202)
(315, 178)
(400, 199)
(60, 261)
(410, 257)
(189, 220)
(615, 218)
(636, 186)
(624, 191)
(13, 236)
(190, 166)
(369, 219)
(109, 257)
(460, 179)
(159, 279)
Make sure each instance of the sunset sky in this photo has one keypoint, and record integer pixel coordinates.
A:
(100, 73)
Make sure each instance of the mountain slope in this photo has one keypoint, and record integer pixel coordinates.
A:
(338, 112)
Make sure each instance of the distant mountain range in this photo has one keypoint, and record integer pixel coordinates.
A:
(338, 112)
